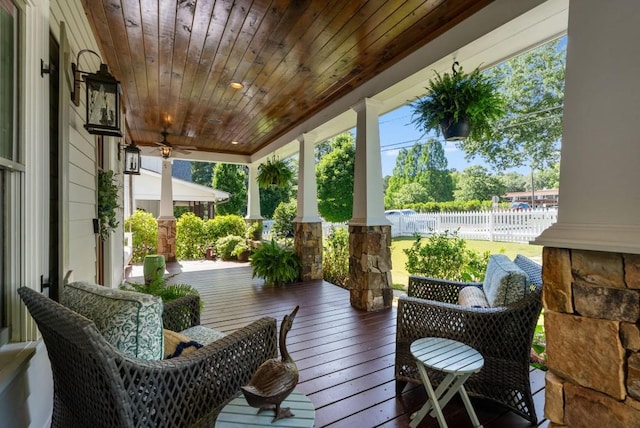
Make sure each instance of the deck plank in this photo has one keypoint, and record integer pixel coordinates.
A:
(345, 356)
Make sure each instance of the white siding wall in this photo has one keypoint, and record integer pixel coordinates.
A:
(25, 382)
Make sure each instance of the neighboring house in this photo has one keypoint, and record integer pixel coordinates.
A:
(544, 198)
(146, 193)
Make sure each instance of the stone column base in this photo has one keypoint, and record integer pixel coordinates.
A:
(370, 267)
(167, 239)
(308, 247)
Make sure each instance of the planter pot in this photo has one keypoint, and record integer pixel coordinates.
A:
(455, 131)
(153, 267)
(244, 256)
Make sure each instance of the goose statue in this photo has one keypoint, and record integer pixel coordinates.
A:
(276, 378)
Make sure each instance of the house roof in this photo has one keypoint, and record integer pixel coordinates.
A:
(147, 187)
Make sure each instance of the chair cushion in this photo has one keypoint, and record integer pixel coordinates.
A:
(130, 321)
(176, 344)
(202, 334)
(472, 296)
(504, 282)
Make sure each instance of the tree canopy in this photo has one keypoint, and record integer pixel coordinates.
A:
(202, 173)
(424, 164)
(529, 134)
(334, 176)
(233, 179)
(476, 183)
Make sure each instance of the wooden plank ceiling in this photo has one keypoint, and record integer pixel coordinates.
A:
(176, 60)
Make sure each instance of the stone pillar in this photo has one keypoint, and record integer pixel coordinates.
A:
(370, 267)
(167, 239)
(369, 230)
(592, 313)
(307, 226)
(308, 247)
(166, 220)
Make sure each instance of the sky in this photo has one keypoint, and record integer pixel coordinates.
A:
(397, 132)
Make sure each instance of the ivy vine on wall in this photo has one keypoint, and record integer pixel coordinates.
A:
(107, 203)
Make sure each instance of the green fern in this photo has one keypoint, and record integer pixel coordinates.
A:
(276, 265)
(159, 287)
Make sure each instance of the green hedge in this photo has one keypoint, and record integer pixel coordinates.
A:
(145, 234)
(452, 206)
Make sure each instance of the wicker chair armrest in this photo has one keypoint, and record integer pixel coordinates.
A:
(441, 290)
(190, 390)
(182, 313)
(492, 331)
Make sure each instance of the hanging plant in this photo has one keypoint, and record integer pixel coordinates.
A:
(107, 203)
(459, 105)
(274, 172)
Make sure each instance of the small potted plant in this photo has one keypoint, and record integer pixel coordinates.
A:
(459, 105)
(275, 172)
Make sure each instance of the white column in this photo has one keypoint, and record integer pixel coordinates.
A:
(166, 192)
(307, 189)
(253, 194)
(599, 174)
(368, 203)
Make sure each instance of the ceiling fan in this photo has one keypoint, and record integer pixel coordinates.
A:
(166, 148)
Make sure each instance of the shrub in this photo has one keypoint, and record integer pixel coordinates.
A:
(226, 245)
(446, 256)
(275, 264)
(254, 230)
(335, 259)
(190, 237)
(283, 218)
(145, 234)
(224, 225)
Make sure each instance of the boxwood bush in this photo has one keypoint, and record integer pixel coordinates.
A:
(145, 234)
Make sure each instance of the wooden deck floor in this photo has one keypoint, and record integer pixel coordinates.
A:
(345, 356)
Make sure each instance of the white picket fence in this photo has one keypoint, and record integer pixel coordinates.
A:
(505, 226)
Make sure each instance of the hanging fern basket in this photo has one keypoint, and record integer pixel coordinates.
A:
(453, 130)
(274, 172)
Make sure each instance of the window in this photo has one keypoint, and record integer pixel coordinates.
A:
(8, 145)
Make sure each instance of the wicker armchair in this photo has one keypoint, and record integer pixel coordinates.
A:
(96, 385)
(503, 335)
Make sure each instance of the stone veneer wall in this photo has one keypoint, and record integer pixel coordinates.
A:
(308, 247)
(592, 314)
(167, 239)
(370, 267)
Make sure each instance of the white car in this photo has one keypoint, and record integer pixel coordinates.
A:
(410, 221)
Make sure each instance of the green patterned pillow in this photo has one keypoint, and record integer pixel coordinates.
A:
(130, 321)
(504, 282)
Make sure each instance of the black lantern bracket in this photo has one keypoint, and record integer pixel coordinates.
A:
(132, 159)
(102, 97)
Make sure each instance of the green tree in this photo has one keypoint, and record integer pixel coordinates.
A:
(477, 184)
(271, 197)
(514, 182)
(322, 149)
(425, 164)
(334, 176)
(202, 173)
(529, 134)
(411, 193)
(548, 178)
(233, 179)
(283, 218)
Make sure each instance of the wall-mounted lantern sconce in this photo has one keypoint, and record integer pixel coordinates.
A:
(165, 151)
(103, 98)
(132, 159)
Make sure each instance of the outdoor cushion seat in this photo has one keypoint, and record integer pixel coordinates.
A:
(503, 334)
(96, 384)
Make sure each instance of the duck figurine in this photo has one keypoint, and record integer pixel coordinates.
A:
(276, 378)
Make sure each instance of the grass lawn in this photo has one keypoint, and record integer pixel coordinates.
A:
(399, 259)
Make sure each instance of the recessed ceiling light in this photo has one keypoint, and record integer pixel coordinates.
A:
(234, 142)
(236, 85)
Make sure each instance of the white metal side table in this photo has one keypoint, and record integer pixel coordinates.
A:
(238, 414)
(458, 361)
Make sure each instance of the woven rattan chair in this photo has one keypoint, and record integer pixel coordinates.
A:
(96, 385)
(503, 335)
